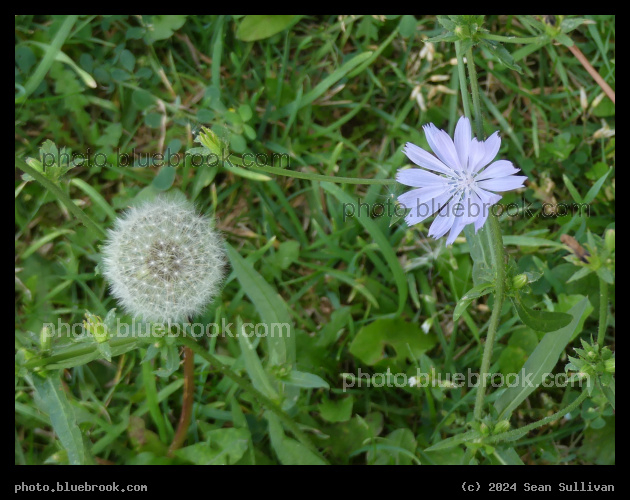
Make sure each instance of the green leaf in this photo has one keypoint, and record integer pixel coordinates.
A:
(306, 380)
(541, 321)
(165, 178)
(289, 451)
(336, 411)
(407, 339)
(407, 26)
(540, 362)
(508, 457)
(163, 26)
(398, 448)
(253, 365)
(502, 54)
(259, 27)
(222, 447)
(61, 414)
(594, 191)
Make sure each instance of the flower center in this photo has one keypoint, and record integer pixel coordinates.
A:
(164, 260)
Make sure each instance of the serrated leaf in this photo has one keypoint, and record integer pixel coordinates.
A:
(502, 54)
(53, 397)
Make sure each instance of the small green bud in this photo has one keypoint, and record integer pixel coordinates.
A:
(501, 426)
(211, 141)
(484, 429)
(609, 365)
(519, 281)
(95, 327)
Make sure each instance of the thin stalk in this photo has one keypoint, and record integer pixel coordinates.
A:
(462, 80)
(187, 402)
(497, 256)
(309, 176)
(474, 88)
(493, 233)
(603, 312)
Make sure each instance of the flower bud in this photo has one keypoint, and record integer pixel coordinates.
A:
(519, 281)
(95, 327)
(609, 365)
(502, 426)
(211, 141)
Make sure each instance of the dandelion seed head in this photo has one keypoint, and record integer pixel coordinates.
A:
(163, 261)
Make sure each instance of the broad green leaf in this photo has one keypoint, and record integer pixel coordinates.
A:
(305, 380)
(165, 178)
(508, 457)
(257, 27)
(336, 411)
(162, 27)
(540, 362)
(407, 339)
(541, 321)
(398, 448)
(222, 447)
(53, 397)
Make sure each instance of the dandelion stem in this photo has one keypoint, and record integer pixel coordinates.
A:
(187, 402)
